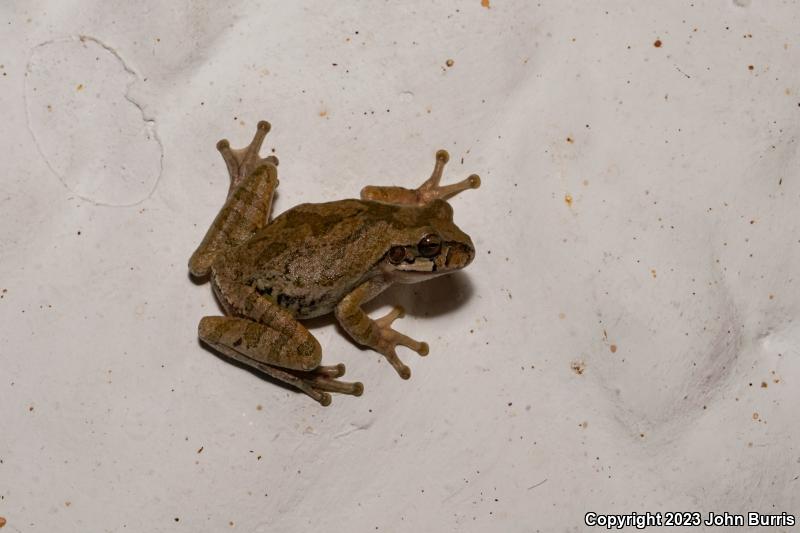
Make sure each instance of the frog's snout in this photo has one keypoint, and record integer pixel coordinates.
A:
(458, 256)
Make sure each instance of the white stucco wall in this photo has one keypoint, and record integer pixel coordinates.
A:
(625, 341)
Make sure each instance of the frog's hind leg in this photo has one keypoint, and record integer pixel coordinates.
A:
(288, 353)
(247, 208)
(242, 161)
(425, 193)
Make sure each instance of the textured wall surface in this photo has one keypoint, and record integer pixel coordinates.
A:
(626, 339)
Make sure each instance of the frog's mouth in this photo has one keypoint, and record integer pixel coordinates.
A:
(418, 264)
(452, 257)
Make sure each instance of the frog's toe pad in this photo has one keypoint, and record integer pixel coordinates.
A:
(397, 338)
(397, 364)
(333, 371)
(385, 321)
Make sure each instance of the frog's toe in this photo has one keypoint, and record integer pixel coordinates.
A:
(324, 399)
(404, 340)
(390, 354)
(385, 321)
(402, 370)
(394, 338)
(391, 338)
(319, 382)
(334, 371)
(334, 385)
(444, 192)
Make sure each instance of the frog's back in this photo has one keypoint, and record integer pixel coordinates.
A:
(308, 258)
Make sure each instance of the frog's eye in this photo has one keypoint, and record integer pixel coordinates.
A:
(430, 245)
(397, 254)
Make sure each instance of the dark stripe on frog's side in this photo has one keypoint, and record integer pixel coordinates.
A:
(317, 223)
(263, 291)
(286, 301)
(304, 306)
(273, 249)
(299, 305)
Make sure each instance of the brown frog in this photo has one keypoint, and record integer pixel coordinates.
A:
(315, 259)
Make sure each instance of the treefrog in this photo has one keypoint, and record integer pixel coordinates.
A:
(315, 259)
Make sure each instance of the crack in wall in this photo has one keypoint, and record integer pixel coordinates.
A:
(149, 120)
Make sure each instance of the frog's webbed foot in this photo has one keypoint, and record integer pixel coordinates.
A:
(425, 193)
(389, 339)
(284, 351)
(242, 161)
(431, 190)
(316, 383)
(377, 334)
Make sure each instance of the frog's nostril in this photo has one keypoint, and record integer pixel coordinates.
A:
(470, 256)
(458, 256)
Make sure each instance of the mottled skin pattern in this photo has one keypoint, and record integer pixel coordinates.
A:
(315, 259)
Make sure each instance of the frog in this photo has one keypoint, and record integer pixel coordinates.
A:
(270, 274)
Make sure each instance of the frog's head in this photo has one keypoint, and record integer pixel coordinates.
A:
(432, 247)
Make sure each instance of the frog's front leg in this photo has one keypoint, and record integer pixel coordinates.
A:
(425, 193)
(377, 334)
(286, 352)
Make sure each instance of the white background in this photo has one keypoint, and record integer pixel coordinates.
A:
(626, 339)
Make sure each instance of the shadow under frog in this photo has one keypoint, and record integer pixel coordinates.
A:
(318, 259)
